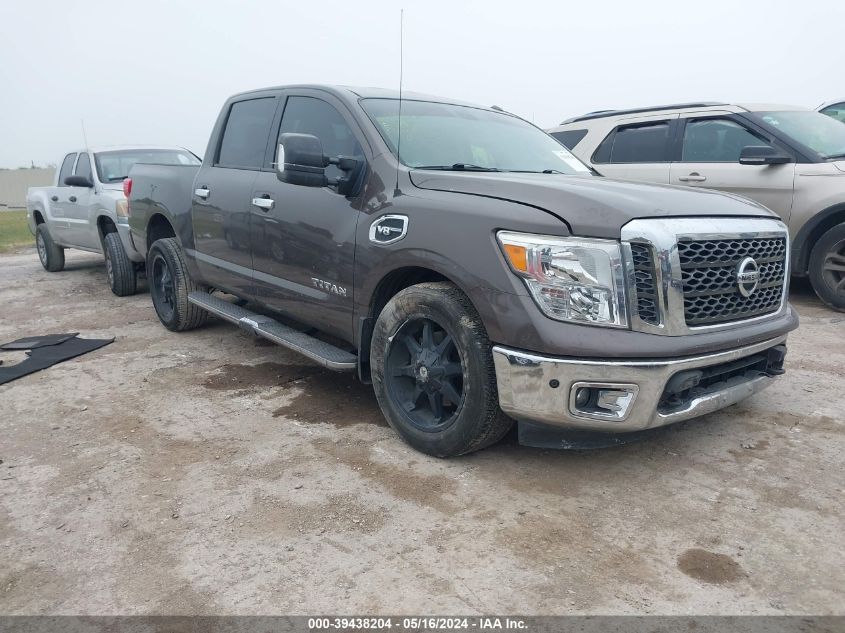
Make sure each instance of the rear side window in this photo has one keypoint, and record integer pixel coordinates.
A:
(246, 133)
(570, 138)
(635, 144)
(66, 170)
(716, 141)
(83, 167)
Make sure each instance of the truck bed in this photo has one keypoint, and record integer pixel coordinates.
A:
(164, 189)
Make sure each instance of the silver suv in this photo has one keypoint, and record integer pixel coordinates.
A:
(789, 159)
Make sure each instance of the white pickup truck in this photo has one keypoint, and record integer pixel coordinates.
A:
(86, 208)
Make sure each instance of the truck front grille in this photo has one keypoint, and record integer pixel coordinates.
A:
(646, 284)
(687, 275)
(709, 276)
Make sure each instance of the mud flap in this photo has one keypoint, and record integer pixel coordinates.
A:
(540, 436)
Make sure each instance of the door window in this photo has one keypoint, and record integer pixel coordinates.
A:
(83, 166)
(245, 135)
(716, 141)
(570, 138)
(66, 170)
(635, 144)
(308, 115)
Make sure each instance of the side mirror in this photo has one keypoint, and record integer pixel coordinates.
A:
(301, 161)
(78, 181)
(762, 155)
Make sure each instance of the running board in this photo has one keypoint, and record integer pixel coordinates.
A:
(319, 351)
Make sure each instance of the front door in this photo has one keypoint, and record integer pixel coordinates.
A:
(221, 195)
(710, 159)
(303, 238)
(81, 232)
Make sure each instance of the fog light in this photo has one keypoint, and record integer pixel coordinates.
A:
(582, 397)
(602, 401)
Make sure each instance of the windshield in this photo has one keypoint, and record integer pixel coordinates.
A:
(820, 133)
(463, 138)
(114, 166)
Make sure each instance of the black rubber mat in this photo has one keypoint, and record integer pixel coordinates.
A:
(45, 356)
(34, 342)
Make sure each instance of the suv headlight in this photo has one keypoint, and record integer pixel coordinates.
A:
(571, 279)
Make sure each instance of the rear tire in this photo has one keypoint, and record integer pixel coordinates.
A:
(119, 268)
(51, 255)
(170, 285)
(827, 267)
(433, 374)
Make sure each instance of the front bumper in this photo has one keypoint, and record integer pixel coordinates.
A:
(541, 389)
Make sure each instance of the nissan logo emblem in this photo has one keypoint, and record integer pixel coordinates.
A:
(747, 277)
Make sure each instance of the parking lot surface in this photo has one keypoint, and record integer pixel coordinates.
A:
(212, 473)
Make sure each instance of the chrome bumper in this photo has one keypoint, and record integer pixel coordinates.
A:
(541, 389)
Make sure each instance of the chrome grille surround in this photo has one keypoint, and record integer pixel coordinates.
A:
(660, 238)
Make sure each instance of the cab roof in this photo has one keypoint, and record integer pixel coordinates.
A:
(353, 93)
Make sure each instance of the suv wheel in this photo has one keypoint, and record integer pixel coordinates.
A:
(119, 268)
(827, 267)
(433, 374)
(170, 286)
(51, 255)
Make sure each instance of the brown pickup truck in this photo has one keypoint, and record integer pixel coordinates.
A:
(467, 264)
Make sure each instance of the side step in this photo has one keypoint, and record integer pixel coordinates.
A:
(319, 351)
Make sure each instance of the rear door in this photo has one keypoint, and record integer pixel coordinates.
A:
(59, 196)
(222, 192)
(709, 158)
(303, 238)
(81, 233)
(638, 150)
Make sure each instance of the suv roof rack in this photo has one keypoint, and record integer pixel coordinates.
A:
(598, 114)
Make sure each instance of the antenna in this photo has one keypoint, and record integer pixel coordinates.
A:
(84, 136)
(396, 191)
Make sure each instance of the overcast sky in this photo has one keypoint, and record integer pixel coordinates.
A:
(157, 71)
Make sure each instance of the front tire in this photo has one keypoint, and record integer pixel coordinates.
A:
(827, 267)
(433, 374)
(170, 285)
(119, 268)
(51, 255)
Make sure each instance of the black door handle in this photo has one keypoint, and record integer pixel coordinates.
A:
(55, 198)
(72, 198)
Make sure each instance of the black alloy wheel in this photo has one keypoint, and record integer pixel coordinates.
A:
(424, 374)
(162, 287)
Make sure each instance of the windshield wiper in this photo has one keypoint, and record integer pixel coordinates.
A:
(840, 155)
(458, 167)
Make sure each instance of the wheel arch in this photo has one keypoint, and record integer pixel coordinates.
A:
(388, 286)
(159, 227)
(809, 234)
(105, 225)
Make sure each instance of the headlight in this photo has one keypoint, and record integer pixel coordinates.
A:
(571, 279)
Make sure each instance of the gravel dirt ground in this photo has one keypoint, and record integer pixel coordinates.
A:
(210, 473)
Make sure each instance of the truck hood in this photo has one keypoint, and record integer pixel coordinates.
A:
(591, 206)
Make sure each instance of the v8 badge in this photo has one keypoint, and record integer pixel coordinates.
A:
(388, 229)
